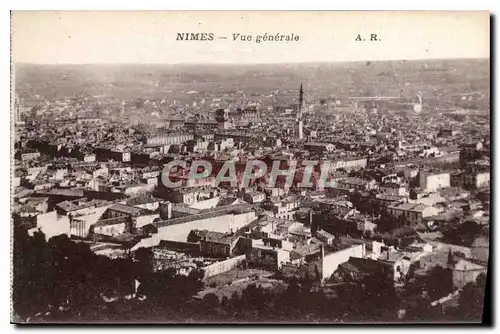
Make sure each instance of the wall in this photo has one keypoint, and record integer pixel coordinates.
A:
(81, 229)
(51, 224)
(462, 277)
(139, 189)
(241, 220)
(333, 260)
(223, 266)
(214, 249)
(286, 245)
(110, 230)
(283, 257)
(145, 220)
(269, 257)
(223, 224)
(413, 217)
(206, 204)
(169, 139)
(394, 191)
(482, 179)
(434, 181)
(377, 249)
(152, 241)
(153, 206)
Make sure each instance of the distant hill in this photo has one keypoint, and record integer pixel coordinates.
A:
(434, 78)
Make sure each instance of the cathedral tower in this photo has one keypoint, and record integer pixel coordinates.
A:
(299, 114)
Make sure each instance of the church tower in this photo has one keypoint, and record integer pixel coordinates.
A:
(299, 114)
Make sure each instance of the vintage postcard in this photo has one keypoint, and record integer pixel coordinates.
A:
(250, 167)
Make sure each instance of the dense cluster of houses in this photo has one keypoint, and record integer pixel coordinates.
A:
(102, 182)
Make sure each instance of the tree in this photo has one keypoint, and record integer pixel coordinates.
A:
(33, 273)
(439, 282)
(253, 296)
(387, 222)
(225, 302)
(57, 273)
(144, 257)
(379, 299)
(464, 234)
(468, 231)
(481, 280)
(422, 310)
(471, 301)
(211, 302)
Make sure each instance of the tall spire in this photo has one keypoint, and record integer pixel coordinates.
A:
(299, 114)
(301, 95)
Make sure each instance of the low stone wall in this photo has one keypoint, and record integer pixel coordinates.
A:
(223, 266)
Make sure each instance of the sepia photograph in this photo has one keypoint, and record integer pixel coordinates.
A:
(250, 167)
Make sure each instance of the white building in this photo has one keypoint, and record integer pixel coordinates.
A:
(414, 213)
(432, 181)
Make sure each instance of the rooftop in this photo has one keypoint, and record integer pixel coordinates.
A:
(353, 180)
(131, 210)
(304, 250)
(414, 207)
(80, 204)
(112, 221)
(392, 198)
(62, 192)
(143, 200)
(216, 237)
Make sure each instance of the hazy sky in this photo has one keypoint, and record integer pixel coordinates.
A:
(150, 37)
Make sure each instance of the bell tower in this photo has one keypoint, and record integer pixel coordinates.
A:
(299, 113)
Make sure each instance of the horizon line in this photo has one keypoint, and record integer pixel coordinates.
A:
(261, 63)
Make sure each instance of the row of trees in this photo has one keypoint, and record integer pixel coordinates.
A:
(373, 300)
(462, 234)
(61, 279)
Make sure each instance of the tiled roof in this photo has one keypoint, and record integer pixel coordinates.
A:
(131, 210)
(112, 221)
